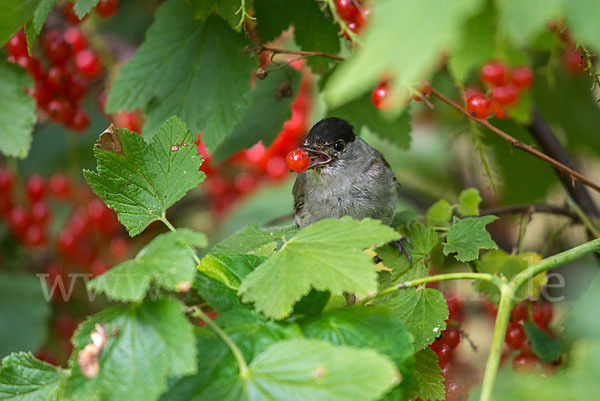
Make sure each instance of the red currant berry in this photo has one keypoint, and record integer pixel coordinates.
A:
(55, 46)
(35, 236)
(6, 180)
(18, 220)
(32, 65)
(298, 160)
(541, 314)
(107, 8)
(40, 212)
(43, 94)
(506, 95)
(574, 61)
(276, 167)
(525, 363)
(424, 90)
(454, 391)
(522, 77)
(478, 106)
(80, 120)
(379, 96)
(454, 308)
(451, 337)
(494, 73)
(67, 244)
(70, 15)
(519, 312)
(36, 187)
(444, 354)
(76, 39)
(57, 78)
(77, 88)
(17, 45)
(60, 110)
(346, 9)
(244, 182)
(59, 185)
(498, 110)
(118, 248)
(515, 335)
(88, 64)
(98, 267)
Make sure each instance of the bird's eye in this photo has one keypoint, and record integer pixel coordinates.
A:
(339, 145)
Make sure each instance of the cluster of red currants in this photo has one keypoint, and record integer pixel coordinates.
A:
(354, 13)
(444, 347)
(104, 8)
(90, 230)
(516, 338)
(504, 89)
(381, 99)
(229, 181)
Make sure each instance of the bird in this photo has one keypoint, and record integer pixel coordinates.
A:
(345, 177)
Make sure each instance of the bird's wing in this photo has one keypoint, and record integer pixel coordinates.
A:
(395, 179)
(298, 192)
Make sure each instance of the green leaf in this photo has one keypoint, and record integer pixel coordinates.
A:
(327, 255)
(24, 313)
(267, 100)
(193, 69)
(312, 303)
(13, 15)
(252, 240)
(202, 8)
(544, 346)
(82, 7)
(229, 269)
(423, 310)
(143, 180)
(432, 26)
(167, 262)
(17, 110)
(439, 213)
(427, 382)
(467, 236)
(146, 343)
(313, 30)
(582, 319)
(581, 20)
(468, 202)
(34, 26)
(303, 369)
(361, 113)
(365, 326)
(23, 377)
(522, 21)
(216, 294)
(477, 43)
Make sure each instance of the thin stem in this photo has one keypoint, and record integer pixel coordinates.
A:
(530, 208)
(520, 145)
(277, 50)
(554, 261)
(493, 361)
(584, 219)
(170, 226)
(245, 15)
(438, 277)
(237, 353)
(525, 218)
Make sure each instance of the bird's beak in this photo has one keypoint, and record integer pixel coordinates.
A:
(317, 157)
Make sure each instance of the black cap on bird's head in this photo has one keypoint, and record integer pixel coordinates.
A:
(327, 139)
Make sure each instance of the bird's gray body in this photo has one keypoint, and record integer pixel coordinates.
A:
(359, 184)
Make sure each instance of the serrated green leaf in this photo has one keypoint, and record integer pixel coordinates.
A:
(439, 213)
(468, 202)
(545, 347)
(24, 313)
(220, 297)
(313, 30)
(477, 43)
(23, 377)
(312, 303)
(167, 262)
(229, 269)
(13, 15)
(189, 68)
(83, 7)
(360, 326)
(467, 236)
(327, 255)
(427, 382)
(34, 26)
(423, 310)
(17, 111)
(404, 62)
(521, 21)
(361, 113)
(252, 240)
(142, 182)
(146, 343)
(264, 118)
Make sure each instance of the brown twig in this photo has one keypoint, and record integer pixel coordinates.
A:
(275, 50)
(530, 208)
(575, 176)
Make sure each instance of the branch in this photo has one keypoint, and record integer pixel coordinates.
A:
(275, 50)
(531, 208)
(575, 176)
